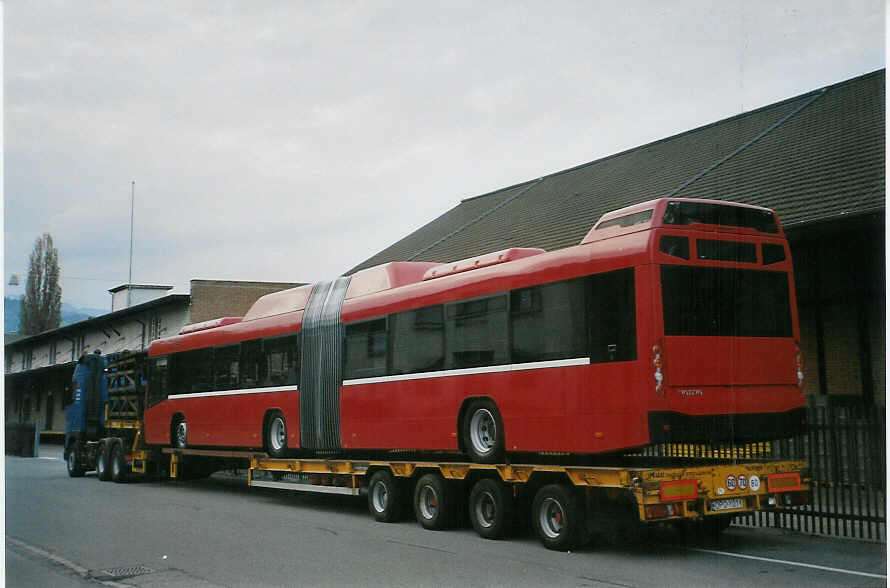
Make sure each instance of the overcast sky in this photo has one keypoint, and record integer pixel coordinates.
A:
(289, 141)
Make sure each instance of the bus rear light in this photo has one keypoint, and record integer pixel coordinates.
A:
(798, 360)
(679, 490)
(658, 365)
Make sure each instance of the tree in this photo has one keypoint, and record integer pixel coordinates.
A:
(41, 308)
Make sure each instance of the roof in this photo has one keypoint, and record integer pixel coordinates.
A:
(140, 287)
(810, 158)
(99, 320)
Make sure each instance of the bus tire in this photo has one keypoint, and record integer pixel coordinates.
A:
(120, 470)
(483, 432)
(179, 432)
(385, 497)
(558, 517)
(491, 508)
(432, 502)
(275, 435)
(103, 456)
(75, 461)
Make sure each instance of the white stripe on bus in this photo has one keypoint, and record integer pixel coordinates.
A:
(513, 367)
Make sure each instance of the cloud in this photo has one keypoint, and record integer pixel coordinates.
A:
(291, 141)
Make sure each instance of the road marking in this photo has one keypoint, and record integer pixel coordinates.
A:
(788, 563)
(79, 570)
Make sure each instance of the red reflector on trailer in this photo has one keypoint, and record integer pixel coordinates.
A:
(783, 482)
(679, 490)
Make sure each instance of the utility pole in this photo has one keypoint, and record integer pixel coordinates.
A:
(130, 275)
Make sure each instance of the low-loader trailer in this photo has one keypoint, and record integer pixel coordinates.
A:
(565, 504)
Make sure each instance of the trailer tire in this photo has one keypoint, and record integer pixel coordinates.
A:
(432, 502)
(491, 508)
(179, 432)
(483, 432)
(385, 500)
(75, 462)
(558, 517)
(275, 435)
(103, 458)
(120, 470)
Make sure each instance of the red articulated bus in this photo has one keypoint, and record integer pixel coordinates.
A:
(673, 320)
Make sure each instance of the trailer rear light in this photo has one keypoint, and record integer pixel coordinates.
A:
(661, 511)
(658, 365)
(679, 490)
(783, 482)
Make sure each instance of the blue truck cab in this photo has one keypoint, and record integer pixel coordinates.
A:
(85, 416)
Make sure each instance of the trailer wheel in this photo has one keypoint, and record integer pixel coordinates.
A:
(558, 517)
(75, 463)
(103, 457)
(432, 502)
(385, 497)
(491, 508)
(483, 432)
(179, 432)
(276, 435)
(120, 471)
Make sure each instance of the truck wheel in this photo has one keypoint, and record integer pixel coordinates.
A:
(120, 471)
(103, 456)
(558, 517)
(491, 508)
(385, 497)
(432, 502)
(75, 464)
(276, 435)
(179, 432)
(483, 432)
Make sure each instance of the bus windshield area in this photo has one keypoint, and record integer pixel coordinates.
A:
(689, 213)
(730, 302)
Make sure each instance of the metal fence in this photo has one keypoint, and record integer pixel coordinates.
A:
(846, 450)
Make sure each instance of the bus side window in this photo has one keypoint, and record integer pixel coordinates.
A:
(281, 367)
(225, 367)
(253, 365)
(418, 338)
(158, 380)
(613, 330)
(548, 322)
(365, 349)
(477, 332)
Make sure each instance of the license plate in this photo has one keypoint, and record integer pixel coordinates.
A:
(727, 504)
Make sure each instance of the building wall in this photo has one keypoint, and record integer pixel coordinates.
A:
(839, 271)
(38, 373)
(217, 298)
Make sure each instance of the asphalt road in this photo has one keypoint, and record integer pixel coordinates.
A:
(63, 531)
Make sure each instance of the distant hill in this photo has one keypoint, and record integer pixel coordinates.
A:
(70, 314)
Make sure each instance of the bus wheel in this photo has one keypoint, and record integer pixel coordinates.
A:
(103, 455)
(483, 432)
(432, 502)
(384, 497)
(179, 432)
(558, 517)
(119, 469)
(276, 435)
(75, 465)
(491, 508)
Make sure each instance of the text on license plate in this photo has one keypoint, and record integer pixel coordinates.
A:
(727, 504)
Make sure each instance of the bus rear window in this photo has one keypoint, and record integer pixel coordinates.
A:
(707, 301)
(690, 213)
